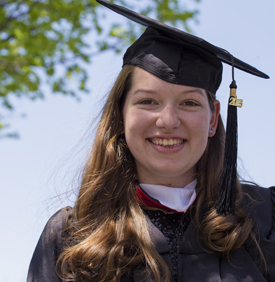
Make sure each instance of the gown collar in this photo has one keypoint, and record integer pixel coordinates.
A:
(169, 198)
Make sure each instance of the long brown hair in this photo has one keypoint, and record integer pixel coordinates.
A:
(221, 234)
(109, 234)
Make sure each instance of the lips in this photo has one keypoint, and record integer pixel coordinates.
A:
(168, 143)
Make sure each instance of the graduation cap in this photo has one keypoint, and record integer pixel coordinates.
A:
(182, 58)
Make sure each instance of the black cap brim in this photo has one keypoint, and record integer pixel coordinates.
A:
(222, 54)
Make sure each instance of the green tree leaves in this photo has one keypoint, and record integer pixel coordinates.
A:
(48, 39)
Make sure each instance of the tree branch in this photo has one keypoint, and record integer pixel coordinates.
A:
(10, 18)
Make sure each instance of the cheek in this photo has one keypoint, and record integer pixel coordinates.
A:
(134, 126)
(199, 129)
(135, 119)
(199, 124)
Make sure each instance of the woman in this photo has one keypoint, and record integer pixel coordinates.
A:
(146, 209)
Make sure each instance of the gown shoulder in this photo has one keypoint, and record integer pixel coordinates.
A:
(42, 267)
(262, 209)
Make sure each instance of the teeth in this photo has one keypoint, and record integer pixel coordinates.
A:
(167, 142)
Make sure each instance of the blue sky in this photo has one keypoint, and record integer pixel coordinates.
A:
(38, 169)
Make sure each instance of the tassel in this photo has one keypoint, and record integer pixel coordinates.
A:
(225, 204)
(227, 194)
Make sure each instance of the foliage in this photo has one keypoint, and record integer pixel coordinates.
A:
(48, 40)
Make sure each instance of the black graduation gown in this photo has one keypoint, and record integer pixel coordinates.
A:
(194, 263)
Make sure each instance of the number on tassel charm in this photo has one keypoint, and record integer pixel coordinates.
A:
(236, 102)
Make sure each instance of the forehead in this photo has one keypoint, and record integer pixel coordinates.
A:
(144, 81)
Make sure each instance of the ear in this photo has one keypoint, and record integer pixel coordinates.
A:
(214, 119)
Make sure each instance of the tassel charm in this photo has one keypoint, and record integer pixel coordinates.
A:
(233, 101)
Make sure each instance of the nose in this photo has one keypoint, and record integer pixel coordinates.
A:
(168, 118)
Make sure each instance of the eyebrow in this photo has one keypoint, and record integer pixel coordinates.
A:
(197, 90)
(148, 91)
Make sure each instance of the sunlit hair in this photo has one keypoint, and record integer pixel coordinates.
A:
(108, 236)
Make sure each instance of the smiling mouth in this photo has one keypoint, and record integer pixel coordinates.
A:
(167, 143)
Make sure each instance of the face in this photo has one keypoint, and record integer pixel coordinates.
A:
(166, 128)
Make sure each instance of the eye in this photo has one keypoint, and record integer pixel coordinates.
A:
(147, 102)
(190, 103)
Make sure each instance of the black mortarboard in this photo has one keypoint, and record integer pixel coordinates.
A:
(175, 60)
(179, 57)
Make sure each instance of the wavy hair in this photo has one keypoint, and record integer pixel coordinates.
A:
(109, 236)
(220, 233)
